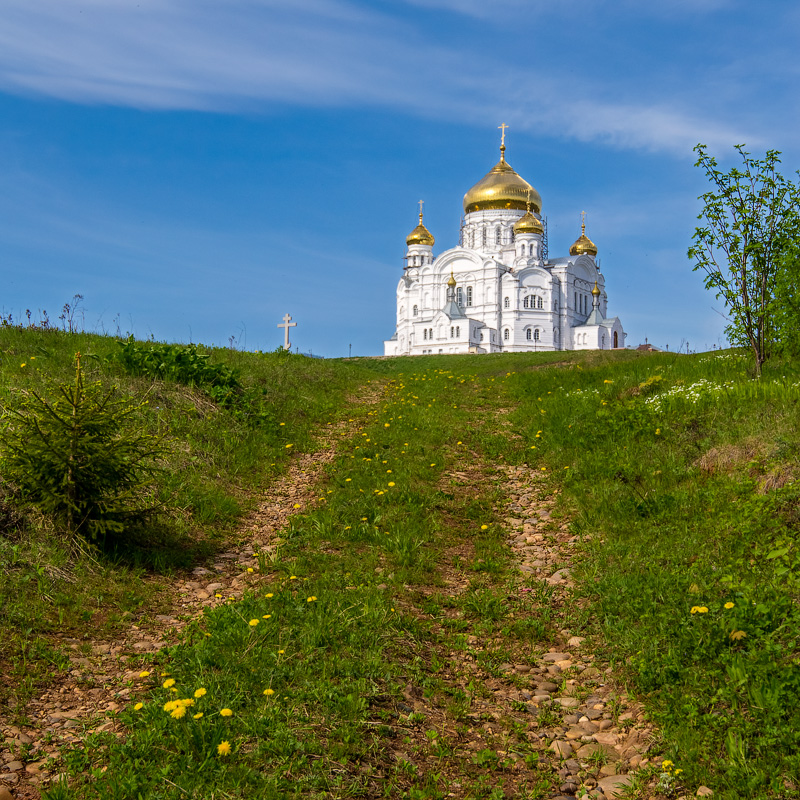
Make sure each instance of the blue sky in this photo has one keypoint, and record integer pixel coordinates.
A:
(197, 169)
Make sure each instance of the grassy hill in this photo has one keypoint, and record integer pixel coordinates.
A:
(674, 475)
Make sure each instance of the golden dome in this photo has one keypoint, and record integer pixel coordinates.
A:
(452, 280)
(528, 224)
(501, 187)
(583, 245)
(420, 235)
(596, 292)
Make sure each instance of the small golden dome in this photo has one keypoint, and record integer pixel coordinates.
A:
(596, 292)
(420, 235)
(528, 224)
(501, 187)
(452, 281)
(583, 245)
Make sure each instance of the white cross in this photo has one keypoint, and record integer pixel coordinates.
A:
(286, 325)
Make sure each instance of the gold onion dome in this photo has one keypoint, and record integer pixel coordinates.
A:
(583, 245)
(596, 291)
(528, 224)
(452, 281)
(501, 187)
(420, 235)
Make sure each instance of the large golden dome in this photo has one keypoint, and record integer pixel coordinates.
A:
(501, 187)
(420, 235)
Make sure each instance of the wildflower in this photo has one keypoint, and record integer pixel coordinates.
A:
(297, 505)
(433, 465)
(388, 471)
(293, 577)
(281, 652)
(266, 616)
(22, 364)
(225, 712)
(171, 705)
(347, 480)
(188, 702)
(217, 595)
(144, 673)
(268, 595)
(249, 569)
(311, 599)
(253, 623)
(385, 424)
(224, 748)
(201, 692)
(666, 763)
(728, 605)
(168, 682)
(735, 636)
(699, 610)
(289, 445)
(138, 707)
(484, 527)
(179, 712)
(282, 424)
(269, 692)
(391, 483)
(198, 715)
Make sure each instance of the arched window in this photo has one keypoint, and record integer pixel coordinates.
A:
(425, 333)
(525, 302)
(528, 334)
(538, 302)
(460, 296)
(452, 331)
(616, 340)
(483, 236)
(531, 248)
(576, 301)
(430, 333)
(469, 295)
(415, 311)
(536, 335)
(506, 333)
(458, 331)
(506, 302)
(497, 235)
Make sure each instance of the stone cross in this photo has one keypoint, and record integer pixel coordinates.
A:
(287, 323)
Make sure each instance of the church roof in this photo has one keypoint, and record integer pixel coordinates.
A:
(528, 224)
(420, 235)
(583, 245)
(501, 187)
(453, 310)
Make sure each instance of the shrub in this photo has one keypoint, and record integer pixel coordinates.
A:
(79, 457)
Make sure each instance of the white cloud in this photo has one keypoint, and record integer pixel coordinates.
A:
(255, 54)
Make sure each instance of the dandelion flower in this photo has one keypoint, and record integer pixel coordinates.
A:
(289, 445)
(266, 616)
(311, 599)
(484, 527)
(179, 712)
(347, 480)
(297, 505)
(268, 595)
(269, 692)
(249, 569)
(168, 683)
(138, 707)
(188, 702)
(281, 652)
(293, 577)
(728, 605)
(198, 715)
(225, 712)
(699, 610)
(253, 623)
(224, 748)
(200, 692)
(391, 483)
(144, 673)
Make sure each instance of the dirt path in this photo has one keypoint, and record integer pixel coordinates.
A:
(104, 673)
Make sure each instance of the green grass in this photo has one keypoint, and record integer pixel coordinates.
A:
(676, 472)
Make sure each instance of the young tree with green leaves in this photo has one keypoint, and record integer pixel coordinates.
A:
(750, 219)
(80, 458)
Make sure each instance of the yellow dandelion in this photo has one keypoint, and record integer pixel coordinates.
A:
(144, 673)
(138, 707)
(347, 480)
(187, 702)
(179, 712)
(201, 692)
(297, 505)
(253, 623)
(391, 483)
(225, 712)
(293, 577)
(198, 715)
(224, 748)
(269, 692)
(170, 705)
(728, 605)
(311, 599)
(289, 445)
(168, 682)
(249, 569)
(266, 616)
(268, 595)
(484, 527)
(281, 652)
(658, 431)
(699, 610)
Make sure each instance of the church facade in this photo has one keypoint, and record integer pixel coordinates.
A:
(498, 291)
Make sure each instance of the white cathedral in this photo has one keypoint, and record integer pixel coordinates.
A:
(498, 291)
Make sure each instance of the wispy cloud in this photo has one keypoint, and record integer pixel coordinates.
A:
(259, 54)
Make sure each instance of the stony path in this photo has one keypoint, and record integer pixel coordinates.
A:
(104, 673)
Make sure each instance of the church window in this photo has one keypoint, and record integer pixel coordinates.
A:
(483, 236)
(536, 335)
(481, 336)
(452, 331)
(616, 340)
(525, 303)
(415, 311)
(506, 302)
(506, 333)
(425, 333)
(460, 296)
(469, 295)
(497, 235)
(513, 236)
(528, 334)
(458, 331)
(576, 301)
(538, 302)
(531, 248)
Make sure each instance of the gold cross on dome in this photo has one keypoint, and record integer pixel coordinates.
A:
(583, 222)
(421, 203)
(503, 136)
